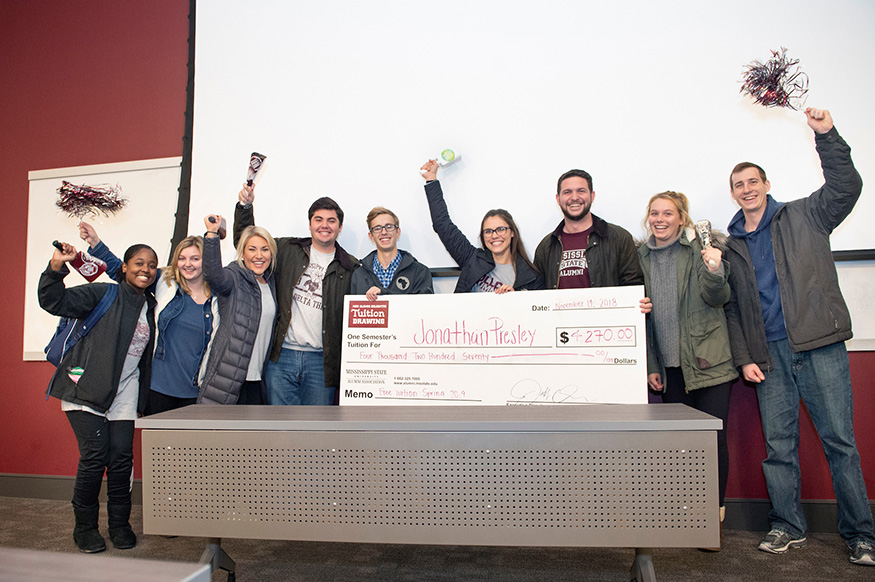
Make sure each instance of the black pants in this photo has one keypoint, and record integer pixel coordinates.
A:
(252, 392)
(158, 402)
(104, 446)
(713, 400)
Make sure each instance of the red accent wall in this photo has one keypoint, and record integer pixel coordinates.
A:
(747, 447)
(104, 81)
(82, 83)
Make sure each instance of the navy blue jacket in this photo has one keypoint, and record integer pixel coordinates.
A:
(411, 277)
(473, 261)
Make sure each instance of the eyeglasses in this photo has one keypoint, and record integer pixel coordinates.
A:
(499, 230)
(389, 228)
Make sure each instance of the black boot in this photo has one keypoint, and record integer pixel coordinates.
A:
(85, 533)
(120, 532)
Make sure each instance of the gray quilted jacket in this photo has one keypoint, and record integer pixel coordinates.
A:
(239, 314)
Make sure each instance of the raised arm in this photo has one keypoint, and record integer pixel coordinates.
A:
(220, 280)
(99, 250)
(835, 200)
(244, 215)
(55, 298)
(456, 243)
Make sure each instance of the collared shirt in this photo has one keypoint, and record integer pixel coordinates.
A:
(386, 275)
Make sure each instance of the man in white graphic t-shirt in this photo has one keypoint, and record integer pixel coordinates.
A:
(312, 276)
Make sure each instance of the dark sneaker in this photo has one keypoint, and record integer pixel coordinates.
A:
(778, 542)
(862, 553)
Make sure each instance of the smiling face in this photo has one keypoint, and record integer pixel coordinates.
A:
(385, 241)
(141, 269)
(664, 221)
(256, 255)
(325, 227)
(749, 190)
(190, 264)
(575, 198)
(495, 241)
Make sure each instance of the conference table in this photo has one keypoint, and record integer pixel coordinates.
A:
(639, 476)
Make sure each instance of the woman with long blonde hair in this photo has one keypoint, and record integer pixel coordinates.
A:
(186, 318)
(688, 356)
(235, 370)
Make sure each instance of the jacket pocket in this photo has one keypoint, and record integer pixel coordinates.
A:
(710, 345)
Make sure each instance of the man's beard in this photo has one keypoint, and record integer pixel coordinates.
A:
(578, 217)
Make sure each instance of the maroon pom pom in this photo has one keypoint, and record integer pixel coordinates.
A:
(779, 82)
(80, 201)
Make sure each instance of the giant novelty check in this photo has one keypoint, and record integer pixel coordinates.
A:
(569, 346)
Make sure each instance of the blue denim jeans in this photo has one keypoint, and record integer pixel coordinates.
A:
(298, 378)
(822, 379)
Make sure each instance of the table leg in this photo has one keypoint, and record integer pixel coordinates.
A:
(216, 557)
(642, 567)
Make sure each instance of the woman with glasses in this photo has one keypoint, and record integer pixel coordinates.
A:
(388, 270)
(500, 265)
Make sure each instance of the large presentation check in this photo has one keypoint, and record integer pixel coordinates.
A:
(570, 346)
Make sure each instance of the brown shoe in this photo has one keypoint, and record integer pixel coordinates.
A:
(718, 548)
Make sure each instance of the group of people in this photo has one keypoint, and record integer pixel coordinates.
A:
(267, 328)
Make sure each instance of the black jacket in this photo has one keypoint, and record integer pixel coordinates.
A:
(815, 312)
(610, 254)
(101, 354)
(474, 262)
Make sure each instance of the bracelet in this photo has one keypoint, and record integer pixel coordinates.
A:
(211, 232)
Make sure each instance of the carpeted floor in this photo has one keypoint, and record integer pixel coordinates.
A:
(47, 525)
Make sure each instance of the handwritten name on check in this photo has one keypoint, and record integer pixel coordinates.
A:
(568, 346)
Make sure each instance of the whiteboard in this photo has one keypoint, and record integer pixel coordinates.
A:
(152, 188)
(348, 98)
(857, 281)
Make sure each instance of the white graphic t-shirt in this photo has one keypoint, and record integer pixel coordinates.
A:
(305, 329)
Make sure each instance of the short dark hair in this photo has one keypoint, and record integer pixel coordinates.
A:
(742, 167)
(134, 249)
(130, 254)
(325, 203)
(574, 174)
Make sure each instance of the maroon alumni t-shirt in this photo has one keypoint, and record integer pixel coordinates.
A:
(573, 268)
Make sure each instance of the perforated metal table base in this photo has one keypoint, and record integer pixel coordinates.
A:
(605, 476)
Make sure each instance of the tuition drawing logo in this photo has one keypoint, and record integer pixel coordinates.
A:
(368, 314)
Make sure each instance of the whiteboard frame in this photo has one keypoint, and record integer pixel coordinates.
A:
(152, 187)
